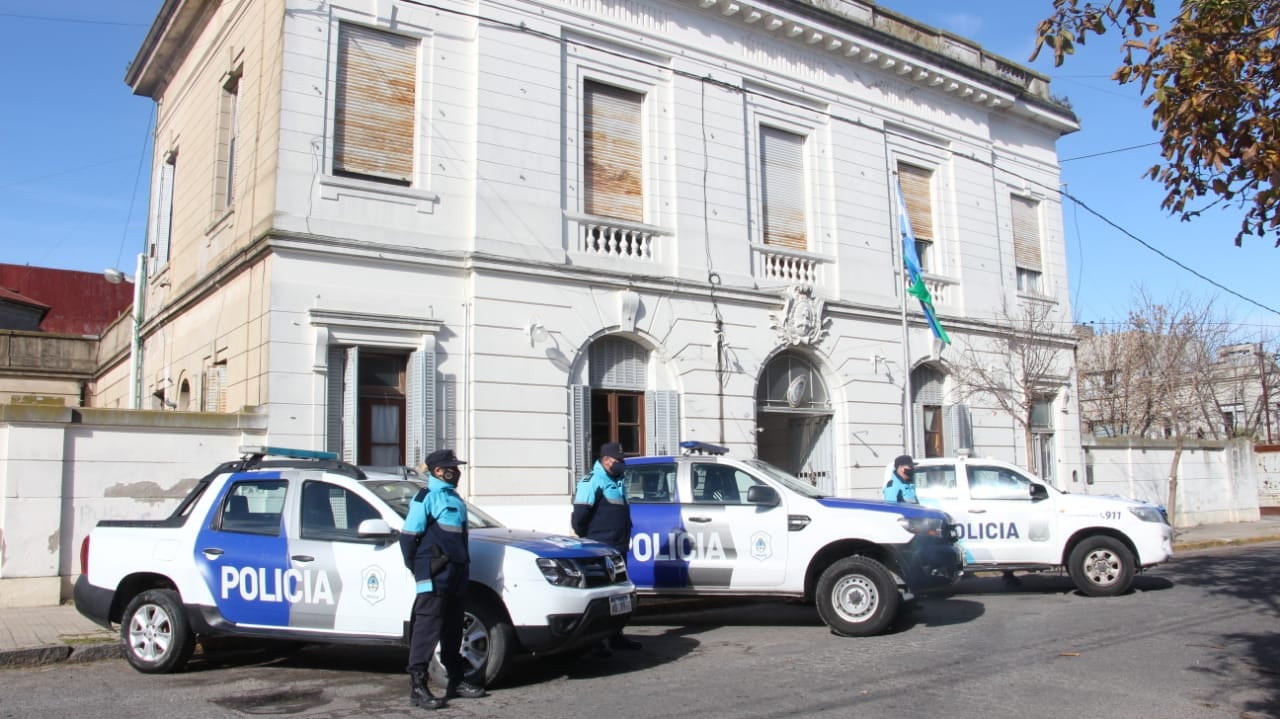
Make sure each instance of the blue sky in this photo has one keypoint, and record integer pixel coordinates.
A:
(74, 189)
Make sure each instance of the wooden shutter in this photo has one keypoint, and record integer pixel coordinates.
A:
(617, 363)
(421, 425)
(580, 429)
(164, 214)
(215, 388)
(612, 152)
(373, 123)
(959, 428)
(782, 188)
(1026, 233)
(662, 413)
(334, 374)
(918, 195)
(350, 404)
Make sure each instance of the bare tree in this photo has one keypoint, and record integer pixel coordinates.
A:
(1025, 364)
(1158, 375)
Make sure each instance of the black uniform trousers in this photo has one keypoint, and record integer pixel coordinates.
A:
(437, 619)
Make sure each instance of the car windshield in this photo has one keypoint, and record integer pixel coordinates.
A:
(791, 482)
(397, 493)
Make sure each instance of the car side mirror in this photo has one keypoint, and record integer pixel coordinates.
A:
(375, 528)
(760, 494)
(1038, 492)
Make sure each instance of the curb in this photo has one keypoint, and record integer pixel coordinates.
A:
(1211, 543)
(58, 654)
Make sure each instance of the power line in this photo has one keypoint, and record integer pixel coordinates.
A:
(73, 20)
(1108, 152)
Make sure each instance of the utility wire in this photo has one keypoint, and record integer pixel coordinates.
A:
(1109, 152)
(74, 20)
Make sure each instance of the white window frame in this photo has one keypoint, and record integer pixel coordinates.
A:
(1028, 280)
(910, 147)
(228, 137)
(638, 70)
(410, 22)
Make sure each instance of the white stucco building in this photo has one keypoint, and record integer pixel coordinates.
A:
(522, 229)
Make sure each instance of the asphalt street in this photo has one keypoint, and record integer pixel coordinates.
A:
(1197, 639)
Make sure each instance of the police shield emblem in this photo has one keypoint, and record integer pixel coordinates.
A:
(761, 545)
(373, 584)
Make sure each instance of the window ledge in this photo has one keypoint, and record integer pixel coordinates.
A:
(220, 220)
(333, 187)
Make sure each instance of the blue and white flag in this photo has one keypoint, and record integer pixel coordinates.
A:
(911, 261)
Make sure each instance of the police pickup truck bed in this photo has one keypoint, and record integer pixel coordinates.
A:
(1010, 521)
(304, 548)
(709, 524)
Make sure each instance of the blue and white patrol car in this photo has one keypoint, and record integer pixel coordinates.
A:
(705, 523)
(304, 547)
(1011, 521)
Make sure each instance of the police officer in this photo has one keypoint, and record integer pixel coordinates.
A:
(600, 512)
(434, 544)
(901, 487)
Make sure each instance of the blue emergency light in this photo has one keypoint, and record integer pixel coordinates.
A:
(694, 447)
(289, 452)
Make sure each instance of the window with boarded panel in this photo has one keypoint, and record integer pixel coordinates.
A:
(918, 195)
(782, 188)
(612, 152)
(373, 124)
(1026, 233)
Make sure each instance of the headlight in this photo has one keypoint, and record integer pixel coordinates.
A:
(924, 526)
(561, 572)
(1147, 513)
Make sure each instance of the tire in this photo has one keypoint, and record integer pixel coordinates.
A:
(154, 631)
(857, 597)
(1101, 567)
(488, 643)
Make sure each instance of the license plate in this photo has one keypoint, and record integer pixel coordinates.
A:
(620, 604)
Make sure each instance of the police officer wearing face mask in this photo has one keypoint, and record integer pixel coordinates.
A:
(600, 512)
(901, 487)
(434, 545)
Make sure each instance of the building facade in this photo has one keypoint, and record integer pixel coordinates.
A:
(522, 229)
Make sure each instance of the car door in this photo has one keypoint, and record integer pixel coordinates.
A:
(657, 530)
(372, 590)
(1002, 524)
(731, 544)
(242, 552)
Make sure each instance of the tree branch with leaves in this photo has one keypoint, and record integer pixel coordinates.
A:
(1212, 81)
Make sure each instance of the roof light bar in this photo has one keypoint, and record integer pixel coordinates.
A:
(693, 447)
(262, 451)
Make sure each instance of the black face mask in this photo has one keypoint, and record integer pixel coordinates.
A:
(908, 476)
(615, 470)
(449, 475)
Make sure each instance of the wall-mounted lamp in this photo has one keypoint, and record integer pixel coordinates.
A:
(536, 333)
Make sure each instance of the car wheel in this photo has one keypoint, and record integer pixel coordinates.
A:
(857, 597)
(1101, 567)
(488, 643)
(154, 631)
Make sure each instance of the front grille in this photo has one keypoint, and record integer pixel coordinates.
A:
(595, 571)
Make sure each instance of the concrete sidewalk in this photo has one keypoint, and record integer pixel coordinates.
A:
(46, 635)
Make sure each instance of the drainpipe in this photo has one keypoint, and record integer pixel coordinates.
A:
(135, 347)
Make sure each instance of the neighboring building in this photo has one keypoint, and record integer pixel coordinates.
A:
(50, 322)
(1222, 392)
(522, 229)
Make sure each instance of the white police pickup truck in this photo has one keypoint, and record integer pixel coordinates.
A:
(304, 548)
(708, 524)
(1010, 521)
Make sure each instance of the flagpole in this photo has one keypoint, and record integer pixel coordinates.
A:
(908, 424)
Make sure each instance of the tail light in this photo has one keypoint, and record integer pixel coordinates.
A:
(84, 556)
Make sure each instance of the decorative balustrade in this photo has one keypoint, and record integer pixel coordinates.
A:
(616, 239)
(788, 265)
